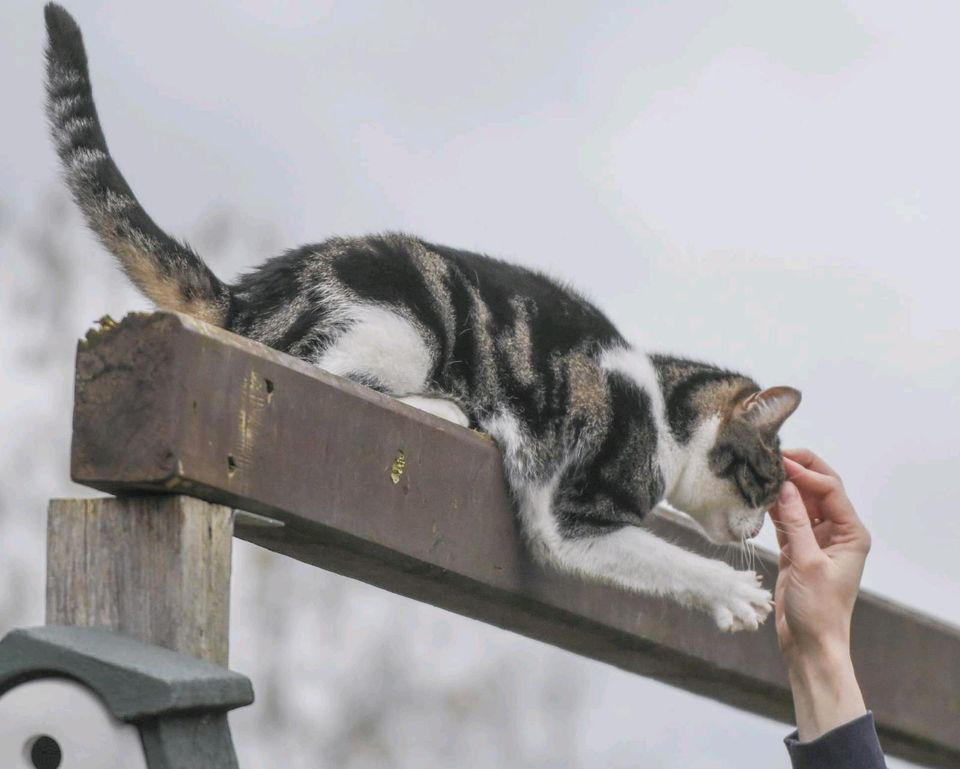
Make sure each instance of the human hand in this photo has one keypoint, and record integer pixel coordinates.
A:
(823, 546)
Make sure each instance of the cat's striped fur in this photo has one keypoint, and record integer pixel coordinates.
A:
(594, 433)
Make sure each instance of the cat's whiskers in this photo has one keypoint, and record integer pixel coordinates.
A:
(757, 560)
(781, 529)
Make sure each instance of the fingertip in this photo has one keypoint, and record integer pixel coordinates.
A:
(792, 467)
(788, 493)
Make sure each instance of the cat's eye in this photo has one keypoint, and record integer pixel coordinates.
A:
(759, 478)
(724, 461)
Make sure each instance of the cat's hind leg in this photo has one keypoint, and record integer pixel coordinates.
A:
(383, 349)
(439, 407)
(380, 346)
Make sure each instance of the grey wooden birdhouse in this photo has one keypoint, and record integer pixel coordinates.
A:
(81, 698)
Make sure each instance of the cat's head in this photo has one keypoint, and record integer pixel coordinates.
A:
(733, 470)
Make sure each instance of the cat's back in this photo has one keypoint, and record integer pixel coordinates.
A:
(492, 327)
(445, 285)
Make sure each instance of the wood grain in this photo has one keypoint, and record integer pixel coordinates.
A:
(156, 568)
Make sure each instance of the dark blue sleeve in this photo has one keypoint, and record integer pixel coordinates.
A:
(851, 746)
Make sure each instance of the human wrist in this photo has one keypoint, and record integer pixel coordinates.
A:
(807, 654)
(825, 690)
(813, 664)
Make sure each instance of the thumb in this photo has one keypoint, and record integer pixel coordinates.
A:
(793, 523)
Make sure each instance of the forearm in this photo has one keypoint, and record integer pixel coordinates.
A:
(825, 691)
(816, 591)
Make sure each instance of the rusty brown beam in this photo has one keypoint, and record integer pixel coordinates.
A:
(381, 492)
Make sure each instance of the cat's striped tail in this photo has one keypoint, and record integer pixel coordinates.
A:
(167, 272)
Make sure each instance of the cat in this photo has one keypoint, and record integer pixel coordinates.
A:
(594, 433)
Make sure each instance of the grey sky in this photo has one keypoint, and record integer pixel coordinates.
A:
(768, 185)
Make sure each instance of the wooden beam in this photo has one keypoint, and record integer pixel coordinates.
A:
(156, 568)
(376, 490)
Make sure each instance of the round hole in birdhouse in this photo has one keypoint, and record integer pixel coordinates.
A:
(44, 752)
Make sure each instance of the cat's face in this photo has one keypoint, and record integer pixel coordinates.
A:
(734, 471)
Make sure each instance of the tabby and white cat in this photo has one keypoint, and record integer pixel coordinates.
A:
(594, 433)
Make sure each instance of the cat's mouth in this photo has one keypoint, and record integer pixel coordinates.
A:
(748, 531)
(721, 533)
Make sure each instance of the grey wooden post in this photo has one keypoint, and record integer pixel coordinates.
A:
(155, 568)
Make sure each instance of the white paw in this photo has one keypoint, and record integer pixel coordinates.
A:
(740, 603)
(439, 407)
(452, 413)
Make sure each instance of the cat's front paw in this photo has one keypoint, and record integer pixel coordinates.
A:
(741, 603)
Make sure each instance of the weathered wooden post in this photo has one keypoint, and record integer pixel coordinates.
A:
(148, 568)
(155, 568)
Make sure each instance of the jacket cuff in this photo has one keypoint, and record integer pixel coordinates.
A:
(854, 744)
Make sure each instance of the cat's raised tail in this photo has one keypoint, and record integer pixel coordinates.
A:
(169, 273)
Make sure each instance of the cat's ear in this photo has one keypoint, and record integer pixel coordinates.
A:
(768, 409)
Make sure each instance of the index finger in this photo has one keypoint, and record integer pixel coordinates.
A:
(793, 522)
(814, 481)
(831, 500)
(810, 461)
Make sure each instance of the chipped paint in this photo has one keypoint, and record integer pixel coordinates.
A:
(103, 324)
(106, 323)
(396, 469)
(255, 395)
